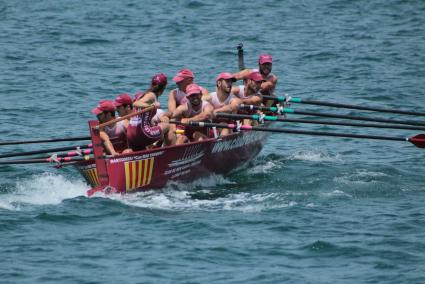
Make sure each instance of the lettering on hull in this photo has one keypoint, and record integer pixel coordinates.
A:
(191, 154)
(226, 145)
(134, 158)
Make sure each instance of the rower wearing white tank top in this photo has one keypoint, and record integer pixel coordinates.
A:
(177, 96)
(265, 63)
(195, 109)
(114, 136)
(222, 99)
(250, 94)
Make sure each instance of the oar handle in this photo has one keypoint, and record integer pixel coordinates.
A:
(100, 126)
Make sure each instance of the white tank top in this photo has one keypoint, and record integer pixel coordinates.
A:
(242, 94)
(115, 131)
(159, 113)
(180, 97)
(191, 112)
(215, 102)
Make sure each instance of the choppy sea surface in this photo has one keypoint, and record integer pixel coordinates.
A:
(306, 210)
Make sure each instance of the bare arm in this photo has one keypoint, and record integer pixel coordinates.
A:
(205, 94)
(172, 104)
(146, 101)
(267, 87)
(206, 114)
(242, 74)
(235, 91)
(253, 100)
(178, 112)
(232, 107)
(107, 143)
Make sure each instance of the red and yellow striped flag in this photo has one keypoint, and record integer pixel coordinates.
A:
(91, 177)
(138, 173)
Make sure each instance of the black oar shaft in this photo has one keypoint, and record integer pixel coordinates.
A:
(28, 161)
(45, 140)
(354, 117)
(347, 106)
(321, 114)
(51, 150)
(241, 63)
(309, 121)
(333, 134)
(368, 108)
(44, 160)
(283, 130)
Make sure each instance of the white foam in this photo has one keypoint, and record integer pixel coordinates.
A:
(182, 200)
(315, 156)
(265, 168)
(42, 189)
(337, 193)
(360, 176)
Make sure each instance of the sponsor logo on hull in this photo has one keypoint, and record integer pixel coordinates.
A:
(226, 145)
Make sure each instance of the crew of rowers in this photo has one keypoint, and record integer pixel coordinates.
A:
(188, 102)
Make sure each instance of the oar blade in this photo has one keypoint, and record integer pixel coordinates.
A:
(418, 140)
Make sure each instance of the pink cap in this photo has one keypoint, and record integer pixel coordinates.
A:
(256, 76)
(225, 76)
(138, 96)
(265, 58)
(104, 105)
(193, 89)
(123, 99)
(183, 74)
(159, 79)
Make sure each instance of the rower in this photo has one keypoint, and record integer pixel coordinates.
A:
(141, 131)
(195, 109)
(124, 104)
(117, 132)
(249, 93)
(265, 63)
(177, 96)
(222, 99)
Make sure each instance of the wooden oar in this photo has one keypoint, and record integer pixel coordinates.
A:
(149, 108)
(418, 140)
(51, 150)
(46, 160)
(82, 138)
(281, 119)
(348, 106)
(351, 117)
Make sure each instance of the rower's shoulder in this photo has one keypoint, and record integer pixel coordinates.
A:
(172, 92)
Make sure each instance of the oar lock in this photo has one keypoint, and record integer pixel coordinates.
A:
(286, 102)
(281, 109)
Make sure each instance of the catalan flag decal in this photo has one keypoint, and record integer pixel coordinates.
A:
(138, 173)
(91, 177)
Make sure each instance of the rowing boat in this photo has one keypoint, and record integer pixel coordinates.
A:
(154, 168)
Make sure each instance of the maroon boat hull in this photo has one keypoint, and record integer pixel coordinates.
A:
(154, 168)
